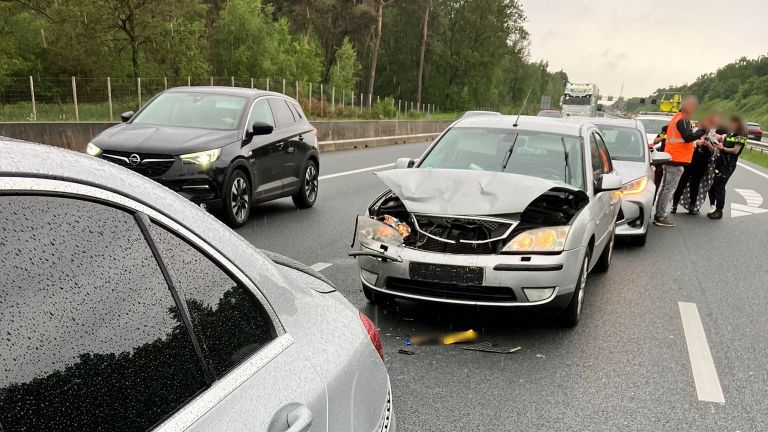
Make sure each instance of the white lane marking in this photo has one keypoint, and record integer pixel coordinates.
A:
(320, 266)
(753, 198)
(380, 138)
(749, 168)
(373, 168)
(704, 373)
(743, 210)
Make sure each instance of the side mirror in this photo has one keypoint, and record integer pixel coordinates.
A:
(609, 182)
(660, 158)
(261, 128)
(126, 116)
(403, 163)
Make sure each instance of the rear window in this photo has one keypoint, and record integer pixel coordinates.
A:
(653, 126)
(624, 144)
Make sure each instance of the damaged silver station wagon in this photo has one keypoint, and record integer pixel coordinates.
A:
(499, 211)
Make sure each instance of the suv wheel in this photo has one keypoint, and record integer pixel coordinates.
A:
(237, 199)
(306, 196)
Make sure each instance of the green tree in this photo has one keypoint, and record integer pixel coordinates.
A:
(346, 70)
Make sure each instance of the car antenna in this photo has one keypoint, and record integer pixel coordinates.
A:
(522, 108)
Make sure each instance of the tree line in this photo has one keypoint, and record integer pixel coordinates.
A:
(459, 54)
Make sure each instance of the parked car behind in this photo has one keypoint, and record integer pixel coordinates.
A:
(499, 211)
(223, 148)
(549, 113)
(126, 307)
(627, 143)
(754, 132)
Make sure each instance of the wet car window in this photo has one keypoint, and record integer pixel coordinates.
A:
(624, 144)
(91, 338)
(197, 110)
(228, 320)
(653, 126)
(535, 154)
(605, 157)
(594, 152)
(261, 113)
(283, 115)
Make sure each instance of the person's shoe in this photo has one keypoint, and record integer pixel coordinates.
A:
(693, 212)
(712, 209)
(717, 214)
(663, 222)
(674, 209)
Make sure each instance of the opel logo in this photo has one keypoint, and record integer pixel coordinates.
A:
(134, 159)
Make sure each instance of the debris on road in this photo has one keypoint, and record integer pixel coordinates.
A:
(460, 337)
(445, 339)
(492, 348)
(540, 356)
(406, 352)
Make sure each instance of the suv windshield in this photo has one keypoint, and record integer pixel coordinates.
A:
(653, 125)
(576, 100)
(624, 144)
(198, 110)
(536, 154)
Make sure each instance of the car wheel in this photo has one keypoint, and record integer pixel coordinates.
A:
(237, 199)
(306, 196)
(604, 262)
(572, 312)
(375, 297)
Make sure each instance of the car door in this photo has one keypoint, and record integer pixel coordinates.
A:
(609, 202)
(262, 380)
(288, 129)
(264, 152)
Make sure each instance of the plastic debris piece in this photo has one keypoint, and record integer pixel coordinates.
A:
(460, 337)
(407, 340)
(492, 348)
(406, 352)
(540, 356)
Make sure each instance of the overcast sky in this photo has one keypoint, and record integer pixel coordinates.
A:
(637, 41)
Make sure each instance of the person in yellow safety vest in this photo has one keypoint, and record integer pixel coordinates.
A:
(725, 165)
(680, 145)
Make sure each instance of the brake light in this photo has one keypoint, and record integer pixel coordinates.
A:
(314, 132)
(373, 333)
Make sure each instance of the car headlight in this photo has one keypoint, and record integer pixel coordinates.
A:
(372, 229)
(201, 158)
(549, 239)
(92, 149)
(635, 186)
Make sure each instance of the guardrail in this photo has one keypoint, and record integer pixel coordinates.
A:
(757, 145)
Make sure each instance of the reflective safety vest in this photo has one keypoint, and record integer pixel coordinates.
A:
(681, 151)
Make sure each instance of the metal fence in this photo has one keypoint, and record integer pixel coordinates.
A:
(102, 99)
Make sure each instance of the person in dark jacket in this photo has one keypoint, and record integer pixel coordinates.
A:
(699, 167)
(725, 164)
(658, 171)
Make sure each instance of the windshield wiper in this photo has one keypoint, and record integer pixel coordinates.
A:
(567, 165)
(508, 156)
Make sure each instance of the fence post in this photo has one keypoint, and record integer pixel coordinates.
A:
(32, 92)
(310, 98)
(165, 82)
(138, 90)
(322, 98)
(211, 80)
(297, 91)
(74, 98)
(333, 98)
(343, 94)
(361, 102)
(267, 84)
(370, 100)
(189, 81)
(109, 97)
(232, 81)
(283, 85)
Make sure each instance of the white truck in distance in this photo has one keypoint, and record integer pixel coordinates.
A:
(580, 100)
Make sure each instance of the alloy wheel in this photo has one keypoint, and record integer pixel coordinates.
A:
(582, 285)
(239, 199)
(311, 183)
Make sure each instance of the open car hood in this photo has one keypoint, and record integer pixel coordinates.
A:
(467, 192)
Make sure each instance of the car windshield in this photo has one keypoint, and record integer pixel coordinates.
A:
(624, 143)
(576, 100)
(193, 109)
(652, 125)
(536, 154)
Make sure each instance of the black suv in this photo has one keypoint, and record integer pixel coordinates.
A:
(224, 148)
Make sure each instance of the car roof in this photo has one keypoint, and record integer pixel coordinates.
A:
(228, 91)
(24, 159)
(530, 123)
(606, 121)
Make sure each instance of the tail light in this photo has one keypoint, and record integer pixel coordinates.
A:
(314, 132)
(370, 328)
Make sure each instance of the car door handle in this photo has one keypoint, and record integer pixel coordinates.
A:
(299, 419)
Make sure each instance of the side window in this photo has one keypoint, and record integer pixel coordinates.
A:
(594, 151)
(283, 115)
(261, 112)
(92, 339)
(297, 111)
(229, 322)
(605, 156)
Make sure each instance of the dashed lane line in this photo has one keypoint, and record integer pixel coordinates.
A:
(704, 373)
(320, 266)
(357, 171)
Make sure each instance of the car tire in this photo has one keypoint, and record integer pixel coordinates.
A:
(604, 262)
(572, 314)
(309, 185)
(237, 199)
(375, 297)
(639, 241)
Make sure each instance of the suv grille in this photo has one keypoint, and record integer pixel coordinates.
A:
(149, 164)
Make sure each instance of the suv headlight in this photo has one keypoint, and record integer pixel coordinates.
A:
(92, 149)
(549, 239)
(201, 158)
(635, 186)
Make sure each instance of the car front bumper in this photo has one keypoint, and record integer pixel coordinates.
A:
(506, 278)
(636, 212)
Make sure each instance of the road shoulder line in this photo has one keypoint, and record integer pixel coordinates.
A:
(703, 367)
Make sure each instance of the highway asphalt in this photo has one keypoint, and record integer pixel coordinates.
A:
(625, 367)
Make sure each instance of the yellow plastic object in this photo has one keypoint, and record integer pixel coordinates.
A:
(670, 105)
(460, 337)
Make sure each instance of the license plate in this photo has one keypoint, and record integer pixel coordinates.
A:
(447, 273)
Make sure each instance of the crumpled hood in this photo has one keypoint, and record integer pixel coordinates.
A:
(466, 192)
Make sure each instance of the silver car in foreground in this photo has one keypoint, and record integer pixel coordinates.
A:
(126, 307)
(628, 145)
(499, 211)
